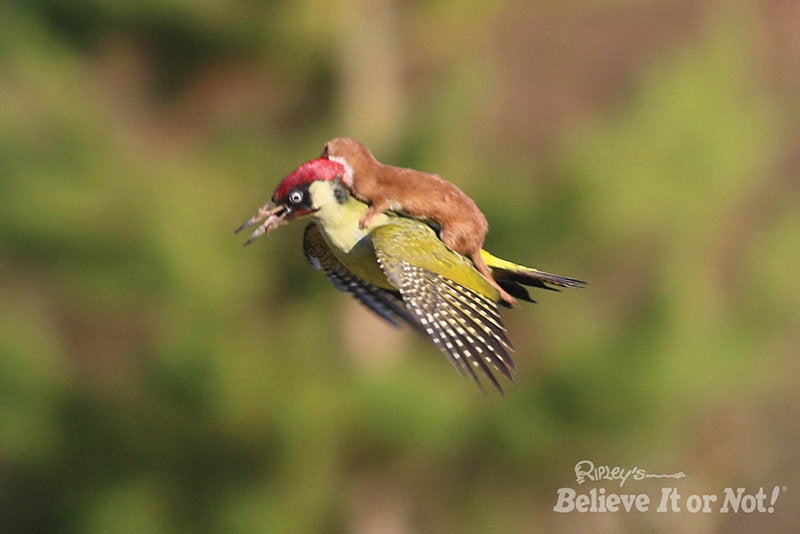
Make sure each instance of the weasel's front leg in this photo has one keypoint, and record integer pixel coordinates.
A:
(374, 210)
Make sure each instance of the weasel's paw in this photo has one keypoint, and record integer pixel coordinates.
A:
(366, 220)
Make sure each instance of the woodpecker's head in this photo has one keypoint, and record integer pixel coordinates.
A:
(293, 197)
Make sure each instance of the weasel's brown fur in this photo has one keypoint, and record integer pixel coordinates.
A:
(419, 194)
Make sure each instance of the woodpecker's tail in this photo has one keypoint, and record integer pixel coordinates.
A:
(512, 277)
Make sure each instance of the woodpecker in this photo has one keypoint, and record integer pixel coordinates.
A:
(400, 269)
(463, 226)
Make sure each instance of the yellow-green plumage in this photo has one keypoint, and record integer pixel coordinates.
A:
(401, 270)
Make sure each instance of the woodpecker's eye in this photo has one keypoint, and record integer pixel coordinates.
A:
(297, 197)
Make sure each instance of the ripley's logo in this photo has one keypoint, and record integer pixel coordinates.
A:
(586, 470)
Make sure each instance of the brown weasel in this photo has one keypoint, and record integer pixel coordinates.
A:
(462, 225)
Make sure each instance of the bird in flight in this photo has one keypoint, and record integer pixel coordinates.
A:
(399, 268)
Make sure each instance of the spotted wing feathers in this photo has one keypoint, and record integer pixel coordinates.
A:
(464, 325)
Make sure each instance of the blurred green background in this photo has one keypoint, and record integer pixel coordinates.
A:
(157, 377)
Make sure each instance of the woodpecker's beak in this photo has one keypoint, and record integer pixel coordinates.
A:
(267, 217)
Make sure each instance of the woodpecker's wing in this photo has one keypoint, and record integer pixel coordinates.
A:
(383, 302)
(463, 323)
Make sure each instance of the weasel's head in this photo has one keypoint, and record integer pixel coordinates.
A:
(351, 154)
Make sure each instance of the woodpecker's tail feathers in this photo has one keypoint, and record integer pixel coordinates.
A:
(512, 277)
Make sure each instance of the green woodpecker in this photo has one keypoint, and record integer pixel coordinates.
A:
(400, 269)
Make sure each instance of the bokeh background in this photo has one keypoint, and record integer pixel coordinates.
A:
(157, 377)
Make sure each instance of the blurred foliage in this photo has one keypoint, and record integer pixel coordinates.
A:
(156, 377)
